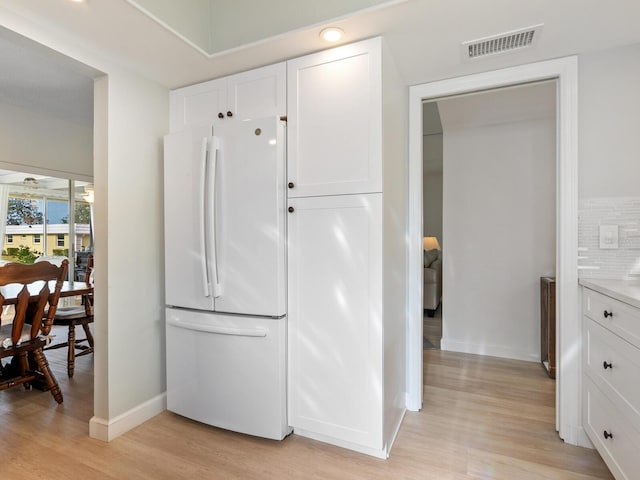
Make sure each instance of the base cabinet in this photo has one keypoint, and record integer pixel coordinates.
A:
(611, 400)
(335, 310)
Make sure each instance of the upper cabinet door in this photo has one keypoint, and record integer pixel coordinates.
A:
(198, 105)
(249, 95)
(257, 93)
(335, 121)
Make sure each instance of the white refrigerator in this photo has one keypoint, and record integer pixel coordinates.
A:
(225, 266)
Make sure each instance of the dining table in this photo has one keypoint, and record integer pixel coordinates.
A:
(69, 289)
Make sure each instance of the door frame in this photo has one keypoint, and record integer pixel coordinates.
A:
(568, 330)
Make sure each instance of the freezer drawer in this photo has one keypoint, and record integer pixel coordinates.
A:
(228, 371)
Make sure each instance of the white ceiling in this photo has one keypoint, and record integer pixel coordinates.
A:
(40, 185)
(214, 26)
(36, 78)
(424, 37)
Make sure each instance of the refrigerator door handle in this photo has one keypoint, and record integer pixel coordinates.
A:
(211, 216)
(218, 329)
(204, 261)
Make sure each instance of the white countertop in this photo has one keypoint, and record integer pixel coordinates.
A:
(627, 291)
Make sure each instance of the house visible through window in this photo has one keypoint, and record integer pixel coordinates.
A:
(44, 219)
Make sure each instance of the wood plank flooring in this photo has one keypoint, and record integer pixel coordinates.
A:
(483, 418)
(432, 328)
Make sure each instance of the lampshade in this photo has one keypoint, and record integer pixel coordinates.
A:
(429, 243)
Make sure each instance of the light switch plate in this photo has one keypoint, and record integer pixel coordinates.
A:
(608, 236)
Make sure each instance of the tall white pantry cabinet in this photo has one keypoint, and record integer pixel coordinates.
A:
(347, 200)
(346, 230)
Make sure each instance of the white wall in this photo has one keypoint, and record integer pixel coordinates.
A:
(609, 186)
(40, 141)
(138, 117)
(609, 129)
(395, 127)
(432, 171)
(432, 186)
(131, 116)
(499, 218)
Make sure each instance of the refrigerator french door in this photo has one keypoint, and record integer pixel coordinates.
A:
(225, 264)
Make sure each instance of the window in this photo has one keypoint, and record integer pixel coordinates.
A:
(39, 214)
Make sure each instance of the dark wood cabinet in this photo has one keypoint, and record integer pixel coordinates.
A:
(548, 324)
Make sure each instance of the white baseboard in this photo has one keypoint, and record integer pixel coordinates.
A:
(411, 403)
(576, 435)
(379, 453)
(107, 430)
(396, 430)
(491, 350)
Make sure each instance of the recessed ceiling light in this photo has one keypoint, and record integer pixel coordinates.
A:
(77, 1)
(331, 34)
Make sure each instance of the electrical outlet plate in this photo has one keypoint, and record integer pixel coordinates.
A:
(608, 237)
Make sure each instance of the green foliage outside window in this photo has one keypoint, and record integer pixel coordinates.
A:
(83, 214)
(22, 211)
(25, 254)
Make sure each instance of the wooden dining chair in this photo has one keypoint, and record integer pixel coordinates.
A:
(72, 316)
(34, 291)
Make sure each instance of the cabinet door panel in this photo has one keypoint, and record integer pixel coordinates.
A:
(334, 112)
(258, 93)
(620, 450)
(249, 95)
(198, 105)
(335, 279)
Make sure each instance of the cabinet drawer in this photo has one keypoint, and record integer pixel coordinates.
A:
(620, 451)
(620, 318)
(613, 365)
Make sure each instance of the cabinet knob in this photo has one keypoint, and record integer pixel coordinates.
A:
(220, 115)
(608, 314)
(606, 365)
(290, 185)
(229, 114)
(291, 209)
(607, 435)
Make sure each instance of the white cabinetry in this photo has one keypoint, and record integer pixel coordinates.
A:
(335, 285)
(335, 115)
(611, 387)
(346, 326)
(254, 94)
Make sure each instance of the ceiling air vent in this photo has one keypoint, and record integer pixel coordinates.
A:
(502, 43)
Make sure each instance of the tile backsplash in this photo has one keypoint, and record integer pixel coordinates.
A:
(622, 262)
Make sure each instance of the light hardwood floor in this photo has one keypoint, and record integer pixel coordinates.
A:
(483, 418)
(432, 328)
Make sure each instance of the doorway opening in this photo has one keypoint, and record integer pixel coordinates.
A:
(47, 156)
(568, 397)
(497, 235)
